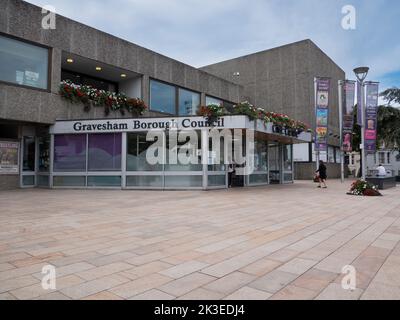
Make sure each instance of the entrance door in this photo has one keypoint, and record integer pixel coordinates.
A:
(274, 155)
(28, 162)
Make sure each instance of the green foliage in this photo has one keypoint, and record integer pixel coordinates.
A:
(391, 95)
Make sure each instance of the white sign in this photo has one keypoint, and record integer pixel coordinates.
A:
(155, 124)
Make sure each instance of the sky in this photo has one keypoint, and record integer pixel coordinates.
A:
(202, 32)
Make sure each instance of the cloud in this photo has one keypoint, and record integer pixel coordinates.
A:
(201, 32)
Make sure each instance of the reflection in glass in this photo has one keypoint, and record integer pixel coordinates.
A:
(107, 181)
(44, 154)
(162, 97)
(29, 154)
(211, 100)
(105, 152)
(70, 152)
(137, 152)
(287, 157)
(183, 147)
(274, 164)
(189, 102)
(22, 63)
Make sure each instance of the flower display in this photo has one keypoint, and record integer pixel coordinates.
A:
(90, 96)
(282, 120)
(364, 188)
(212, 112)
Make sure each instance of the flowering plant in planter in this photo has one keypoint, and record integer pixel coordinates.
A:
(212, 112)
(90, 96)
(247, 109)
(363, 188)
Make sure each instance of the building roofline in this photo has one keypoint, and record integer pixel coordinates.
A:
(70, 20)
(305, 41)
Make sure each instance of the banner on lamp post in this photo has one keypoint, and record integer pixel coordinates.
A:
(349, 88)
(371, 116)
(359, 103)
(322, 113)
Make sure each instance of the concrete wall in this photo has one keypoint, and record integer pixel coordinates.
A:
(282, 80)
(8, 182)
(23, 20)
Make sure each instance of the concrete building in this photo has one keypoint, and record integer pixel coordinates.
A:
(39, 142)
(282, 80)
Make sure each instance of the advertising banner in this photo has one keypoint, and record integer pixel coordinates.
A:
(371, 115)
(9, 157)
(322, 113)
(359, 99)
(349, 88)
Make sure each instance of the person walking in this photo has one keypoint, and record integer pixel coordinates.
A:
(322, 175)
(231, 171)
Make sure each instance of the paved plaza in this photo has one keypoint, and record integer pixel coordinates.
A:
(274, 242)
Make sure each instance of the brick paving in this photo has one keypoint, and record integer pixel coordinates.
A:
(274, 242)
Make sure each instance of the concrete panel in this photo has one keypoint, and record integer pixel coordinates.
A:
(9, 182)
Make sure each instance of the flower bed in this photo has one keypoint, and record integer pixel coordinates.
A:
(254, 113)
(364, 188)
(90, 96)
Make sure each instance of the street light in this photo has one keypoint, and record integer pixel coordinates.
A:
(361, 74)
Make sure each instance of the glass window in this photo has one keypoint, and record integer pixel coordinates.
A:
(381, 157)
(287, 157)
(189, 102)
(388, 157)
(183, 181)
(84, 79)
(162, 97)
(28, 180)
(44, 154)
(70, 152)
(137, 153)
(144, 181)
(29, 154)
(258, 178)
(260, 155)
(215, 181)
(107, 181)
(42, 181)
(24, 64)
(105, 152)
(191, 150)
(211, 100)
(69, 181)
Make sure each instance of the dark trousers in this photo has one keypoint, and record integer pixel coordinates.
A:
(230, 178)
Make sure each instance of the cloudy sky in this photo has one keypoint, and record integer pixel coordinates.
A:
(201, 32)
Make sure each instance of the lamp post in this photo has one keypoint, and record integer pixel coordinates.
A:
(361, 73)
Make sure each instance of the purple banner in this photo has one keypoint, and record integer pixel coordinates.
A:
(322, 114)
(349, 88)
(371, 115)
(359, 99)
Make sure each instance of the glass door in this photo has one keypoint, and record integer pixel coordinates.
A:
(274, 156)
(28, 162)
(287, 163)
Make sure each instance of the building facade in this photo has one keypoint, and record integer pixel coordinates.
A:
(46, 141)
(282, 80)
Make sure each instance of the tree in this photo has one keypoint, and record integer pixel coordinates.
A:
(388, 128)
(391, 95)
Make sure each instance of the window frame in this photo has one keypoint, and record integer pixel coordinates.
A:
(178, 88)
(49, 63)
